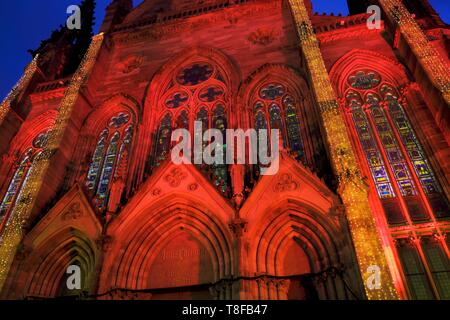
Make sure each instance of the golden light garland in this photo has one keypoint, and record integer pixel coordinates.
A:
(13, 233)
(353, 190)
(428, 56)
(20, 87)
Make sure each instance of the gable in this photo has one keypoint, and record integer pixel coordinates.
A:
(176, 185)
(293, 181)
(74, 212)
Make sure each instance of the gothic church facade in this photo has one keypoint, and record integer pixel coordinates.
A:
(86, 177)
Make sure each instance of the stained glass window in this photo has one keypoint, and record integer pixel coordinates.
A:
(108, 168)
(416, 154)
(96, 162)
(220, 170)
(364, 80)
(126, 143)
(199, 90)
(385, 126)
(293, 127)
(119, 121)
(374, 158)
(202, 116)
(391, 147)
(163, 140)
(261, 124)
(20, 177)
(195, 74)
(183, 121)
(277, 109)
(13, 188)
(177, 100)
(211, 94)
(272, 91)
(112, 143)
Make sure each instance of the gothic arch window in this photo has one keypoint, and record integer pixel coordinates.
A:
(196, 92)
(275, 107)
(401, 172)
(20, 177)
(427, 278)
(112, 148)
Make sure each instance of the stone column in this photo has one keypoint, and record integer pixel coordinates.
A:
(352, 189)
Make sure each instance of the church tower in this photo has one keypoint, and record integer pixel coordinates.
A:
(358, 207)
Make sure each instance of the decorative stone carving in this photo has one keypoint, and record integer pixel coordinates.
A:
(73, 213)
(238, 226)
(263, 36)
(337, 211)
(193, 187)
(285, 183)
(175, 177)
(156, 192)
(23, 252)
(104, 243)
(131, 63)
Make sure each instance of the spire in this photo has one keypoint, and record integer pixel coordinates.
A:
(62, 52)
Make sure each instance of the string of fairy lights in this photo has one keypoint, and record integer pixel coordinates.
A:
(21, 85)
(13, 233)
(352, 188)
(428, 56)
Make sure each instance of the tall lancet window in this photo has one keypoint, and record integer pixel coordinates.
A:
(275, 107)
(196, 92)
(401, 172)
(113, 146)
(19, 178)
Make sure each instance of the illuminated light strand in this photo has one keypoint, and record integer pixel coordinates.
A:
(428, 56)
(13, 233)
(353, 190)
(21, 85)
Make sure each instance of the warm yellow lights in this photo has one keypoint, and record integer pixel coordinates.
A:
(427, 55)
(21, 85)
(12, 235)
(352, 188)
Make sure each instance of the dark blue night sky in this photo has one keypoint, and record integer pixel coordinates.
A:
(24, 23)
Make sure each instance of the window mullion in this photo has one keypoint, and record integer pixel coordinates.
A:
(412, 170)
(28, 167)
(387, 166)
(428, 272)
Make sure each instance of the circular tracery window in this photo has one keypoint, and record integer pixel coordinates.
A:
(119, 120)
(364, 80)
(41, 140)
(272, 91)
(195, 74)
(210, 94)
(177, 99)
